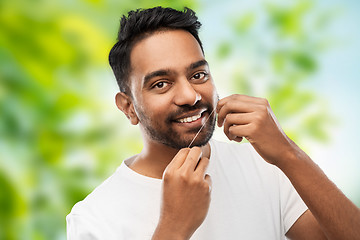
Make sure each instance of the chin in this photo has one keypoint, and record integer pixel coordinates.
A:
(185, 143)
(200, 143)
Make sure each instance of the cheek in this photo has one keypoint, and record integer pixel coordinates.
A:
(209, 92)
(215, 95)
(156, 107)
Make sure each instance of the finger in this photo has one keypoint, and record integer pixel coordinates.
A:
(235, 107)
(237, 119)
(238, 139)
(235, 132)
(202, 166)
(192, 159)
(221, 103)
(179, 159)
(257, 100)
(240, 97)
(209, 181)
(233, 119)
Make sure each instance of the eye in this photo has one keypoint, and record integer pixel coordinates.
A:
(160, 85)
(200, 76)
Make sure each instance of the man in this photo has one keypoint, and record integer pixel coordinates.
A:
(171, 190)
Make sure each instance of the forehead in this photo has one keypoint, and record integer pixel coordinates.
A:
(169, 49)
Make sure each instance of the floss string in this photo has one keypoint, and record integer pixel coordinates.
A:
(201, 127)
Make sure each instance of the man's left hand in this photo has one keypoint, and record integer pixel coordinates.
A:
(252, 118)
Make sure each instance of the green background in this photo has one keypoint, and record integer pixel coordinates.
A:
(61, 134)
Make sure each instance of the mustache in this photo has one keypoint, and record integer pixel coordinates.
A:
(187, 108)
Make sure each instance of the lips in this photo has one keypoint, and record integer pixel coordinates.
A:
(190, 117)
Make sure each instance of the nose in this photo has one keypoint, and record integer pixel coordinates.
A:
(185, 94)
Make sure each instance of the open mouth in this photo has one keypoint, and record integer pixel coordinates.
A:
(190, 119)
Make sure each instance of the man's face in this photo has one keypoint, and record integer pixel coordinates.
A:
(172, 89)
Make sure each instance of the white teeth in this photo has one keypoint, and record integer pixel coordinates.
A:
(190, 119)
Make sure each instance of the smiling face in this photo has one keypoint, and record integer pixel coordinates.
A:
(172, 90)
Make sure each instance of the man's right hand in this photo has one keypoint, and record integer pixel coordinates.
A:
(186, 190)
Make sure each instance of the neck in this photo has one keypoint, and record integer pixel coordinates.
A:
(154, 158)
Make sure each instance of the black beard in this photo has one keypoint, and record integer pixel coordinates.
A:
(167, 136)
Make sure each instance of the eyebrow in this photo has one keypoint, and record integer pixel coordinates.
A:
(166, 72)
(158, 73)
(197, 64)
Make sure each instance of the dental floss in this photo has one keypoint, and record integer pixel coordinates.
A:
(201, 127)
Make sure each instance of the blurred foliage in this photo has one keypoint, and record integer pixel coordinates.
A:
(273, 56)
(58, 140)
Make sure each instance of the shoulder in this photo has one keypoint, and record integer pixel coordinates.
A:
(98, 197)
(108, 194)
(117, 207)
(93, 217)
(86, 221)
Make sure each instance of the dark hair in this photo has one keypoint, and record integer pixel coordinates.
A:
(140, 24)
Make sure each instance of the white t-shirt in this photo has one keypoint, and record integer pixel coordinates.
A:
(250, 199)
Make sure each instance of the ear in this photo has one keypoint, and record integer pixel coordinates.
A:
(125, 104)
